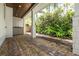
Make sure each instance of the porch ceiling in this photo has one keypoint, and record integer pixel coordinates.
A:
(20, 9)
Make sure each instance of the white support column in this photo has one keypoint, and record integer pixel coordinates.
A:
(76, 30)
(33, 25)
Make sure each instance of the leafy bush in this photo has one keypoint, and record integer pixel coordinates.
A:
(58, 23)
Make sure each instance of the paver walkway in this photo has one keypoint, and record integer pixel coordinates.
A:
(24, 45)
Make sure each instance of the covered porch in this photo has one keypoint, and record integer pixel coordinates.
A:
(16, 41)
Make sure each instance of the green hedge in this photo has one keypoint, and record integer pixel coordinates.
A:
(58, 23)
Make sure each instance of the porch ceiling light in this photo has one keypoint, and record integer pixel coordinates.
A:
(19, 6)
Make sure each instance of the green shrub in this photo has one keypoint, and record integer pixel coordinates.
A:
(58, 23)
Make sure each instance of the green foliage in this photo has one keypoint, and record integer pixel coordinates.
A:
(58, 23)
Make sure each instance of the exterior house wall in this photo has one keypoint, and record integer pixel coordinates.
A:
(9, 21)
(18, 26)
(17, 22)
(2, 24)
